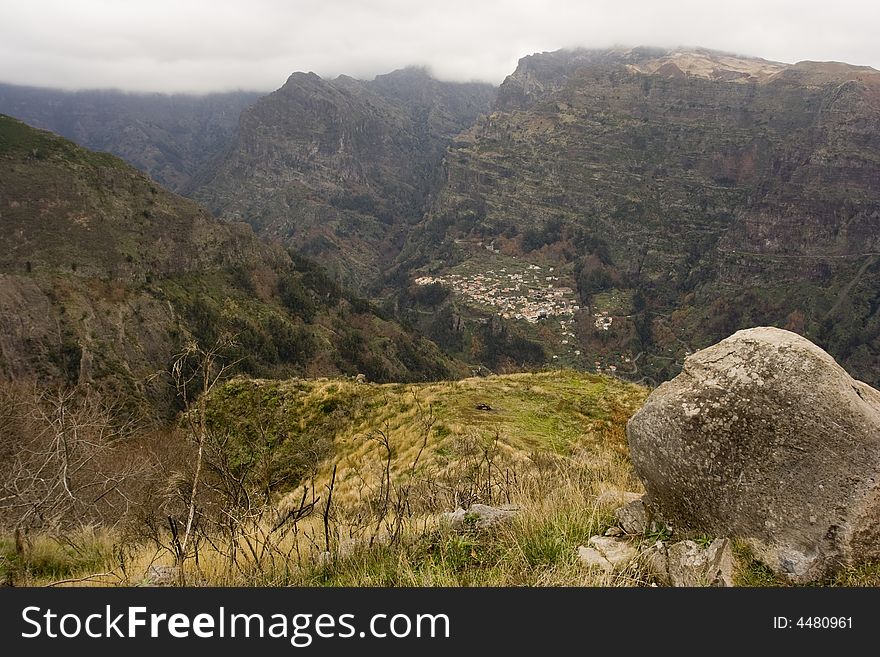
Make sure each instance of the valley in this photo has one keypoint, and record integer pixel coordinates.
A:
(287, 336)
(678, 195)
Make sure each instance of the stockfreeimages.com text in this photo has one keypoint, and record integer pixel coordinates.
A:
(300, 629)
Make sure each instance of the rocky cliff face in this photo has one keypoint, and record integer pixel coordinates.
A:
(170, 137)
(341, 168)
(104, 276)
(685, 194)
(623, 207)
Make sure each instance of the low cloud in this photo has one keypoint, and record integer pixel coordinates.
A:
(209, 45)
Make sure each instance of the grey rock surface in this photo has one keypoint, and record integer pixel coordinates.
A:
(607, 552)
(689, 564)
(592, 558)
(618, 551)
(654, 561)
(633, 517)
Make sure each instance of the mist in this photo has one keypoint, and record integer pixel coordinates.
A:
(208, 45)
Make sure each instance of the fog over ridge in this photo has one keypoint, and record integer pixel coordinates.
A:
(204, 45)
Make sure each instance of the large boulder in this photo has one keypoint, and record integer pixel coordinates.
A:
(764, 436)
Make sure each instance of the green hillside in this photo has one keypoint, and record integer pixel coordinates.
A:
(105, 276)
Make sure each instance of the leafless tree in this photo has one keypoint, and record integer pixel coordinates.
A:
(67, 467)
(195, 372)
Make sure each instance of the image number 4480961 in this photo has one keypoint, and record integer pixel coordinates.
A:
(813, 623)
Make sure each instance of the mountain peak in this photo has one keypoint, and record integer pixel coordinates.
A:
(711, 65)
(408, 72)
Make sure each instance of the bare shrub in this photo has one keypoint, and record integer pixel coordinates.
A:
(66, 465)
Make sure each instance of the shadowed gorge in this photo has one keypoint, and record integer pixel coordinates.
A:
(342, 169)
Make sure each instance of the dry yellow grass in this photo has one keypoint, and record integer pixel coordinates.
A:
(551, 444)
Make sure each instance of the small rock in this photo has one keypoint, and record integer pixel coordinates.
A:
(633, 517)
(692, 565)
(616, 498)
(592, 558)
(654, 561)
(479, 516)
(360, 378)
(618, 551)
(614, 531)
(162, 576)
(483, 407)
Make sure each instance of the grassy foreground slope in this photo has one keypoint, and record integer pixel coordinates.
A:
(548, 442)
(373, 467)
(521, 417)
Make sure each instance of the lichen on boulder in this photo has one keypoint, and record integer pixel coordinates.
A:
(764, 437)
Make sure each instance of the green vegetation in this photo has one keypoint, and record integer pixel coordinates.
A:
(614, 302)
(46, 558)
(559, 413)
(113, 276)
(334, 482)
(395, 457)
(648, 192)
(317, 441)
(18, 139)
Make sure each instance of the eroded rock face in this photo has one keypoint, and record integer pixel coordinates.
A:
(764, 436)
(633, 517)
(652, 148)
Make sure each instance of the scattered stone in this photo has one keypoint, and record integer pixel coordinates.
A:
(633, 517)
(162, 576)
(614, 531)
(592, 558)
(479, 516)
(483, 407)
(616, 497)
(655, 561)
(688, 564)
(606, 552)
(763, 436)
(360, 378)
(619, 551)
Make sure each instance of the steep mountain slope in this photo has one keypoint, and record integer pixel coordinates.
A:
(104, 276)
(683, 194)
(170, 137)
(341, 168)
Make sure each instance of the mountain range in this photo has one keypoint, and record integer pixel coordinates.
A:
(683, 194)
(105, 276)
(169, 137)
(610, 210)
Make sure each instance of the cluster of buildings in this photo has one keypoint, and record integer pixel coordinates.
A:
(527, 294)
(602, 320)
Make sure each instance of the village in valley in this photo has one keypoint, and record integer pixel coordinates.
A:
(525, 294)
(518, 290)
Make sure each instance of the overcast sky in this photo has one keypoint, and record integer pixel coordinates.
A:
(215, 45)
